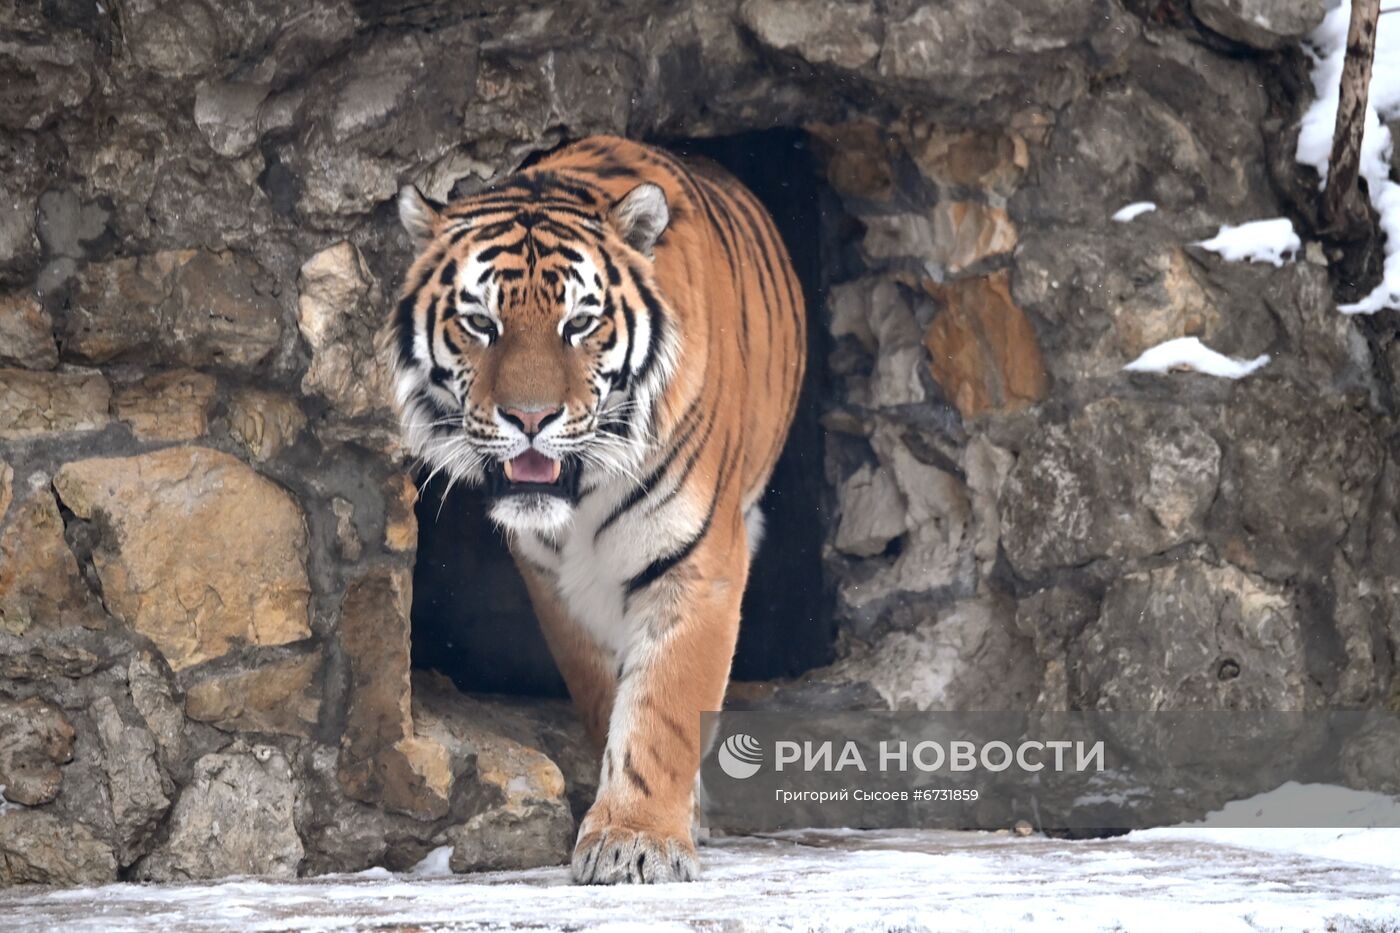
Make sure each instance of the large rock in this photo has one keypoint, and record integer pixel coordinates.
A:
(844, 35)
(37, 847)
(235, 817)
(264, 422)
(43, 75)
(991, 160)
(1109, 298)
(953, 236)
(202, 554)
(154, 697)
(41, 584)
(135, 783)
(1264, 24)
(277, 695)
(982, 349)
(880, 316)
(926, 509)
(35, 739)
(526, 821)
(383, 760)
(1118, 480)
(227, 113)
(1303, 475)
(858, 156)
(967, 232)
(986, 467)
(172, 406)
(1192, 636)
(34, 404)
(339, 317)
(400, 523)
(872, 512)
(26, 333)
(180, 307)
(967, 657)
(972, 52)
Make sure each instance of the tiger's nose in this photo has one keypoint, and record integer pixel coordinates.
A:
(530, 420)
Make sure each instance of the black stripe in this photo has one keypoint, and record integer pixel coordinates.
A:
(658, 325)
(689, 468)
(664, 564)
(633, 776)
(491, 252)
(631, 320)
(614, 277)
(648, 485)
(403, 327)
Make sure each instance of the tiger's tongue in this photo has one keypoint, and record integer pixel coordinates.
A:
(532, 467)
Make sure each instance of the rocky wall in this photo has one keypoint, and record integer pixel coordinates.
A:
(206, 532)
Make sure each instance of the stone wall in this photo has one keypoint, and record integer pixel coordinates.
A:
(206, 533)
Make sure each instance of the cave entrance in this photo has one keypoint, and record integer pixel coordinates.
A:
(471, 614)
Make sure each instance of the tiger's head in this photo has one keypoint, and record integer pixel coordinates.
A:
(530, 345)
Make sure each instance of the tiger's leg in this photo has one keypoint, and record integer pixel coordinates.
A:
(583, 664)
(639, 829)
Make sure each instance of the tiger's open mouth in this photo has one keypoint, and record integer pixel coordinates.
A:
(533, 472)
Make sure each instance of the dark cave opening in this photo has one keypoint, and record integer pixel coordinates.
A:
(471, 615)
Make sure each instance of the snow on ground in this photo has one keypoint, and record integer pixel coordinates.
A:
(1190, 353)
(828, 881)
(1327, 48)
(1255, 824)
(1128, 211)
(1270, 240)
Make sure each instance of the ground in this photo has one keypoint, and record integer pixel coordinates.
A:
(1170, 880)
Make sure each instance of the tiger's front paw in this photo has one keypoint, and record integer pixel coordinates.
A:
(619, 855)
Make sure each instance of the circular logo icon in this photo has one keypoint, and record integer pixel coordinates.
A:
(740, 756)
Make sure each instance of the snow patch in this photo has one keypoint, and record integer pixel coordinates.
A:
(1255, 823)
(1270, 240)
(434, 865)
(1190, 353)
(1327, 49)
(1129, 211)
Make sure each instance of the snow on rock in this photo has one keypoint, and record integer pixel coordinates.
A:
(1190, 353)
(1327, 49)
(829, 881)
(1257, 241)
(1136, 209)
(436, 864)
(1256, 823)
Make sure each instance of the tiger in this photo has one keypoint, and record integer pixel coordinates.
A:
(611, 343)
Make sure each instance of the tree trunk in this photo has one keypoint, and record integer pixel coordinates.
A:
(1343, 209)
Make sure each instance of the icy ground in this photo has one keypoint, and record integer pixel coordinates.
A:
(828, 881)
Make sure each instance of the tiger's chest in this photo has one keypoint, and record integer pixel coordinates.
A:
(592, 561)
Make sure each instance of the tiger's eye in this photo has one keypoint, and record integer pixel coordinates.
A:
(482, 323)
(579, 326)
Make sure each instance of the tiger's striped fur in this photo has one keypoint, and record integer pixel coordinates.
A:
(641, 315)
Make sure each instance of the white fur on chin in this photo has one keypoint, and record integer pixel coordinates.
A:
(536, 512)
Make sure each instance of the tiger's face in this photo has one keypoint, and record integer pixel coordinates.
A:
(530, 344)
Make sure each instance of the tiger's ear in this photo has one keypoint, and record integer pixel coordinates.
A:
(419, 215)
(640, 216)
